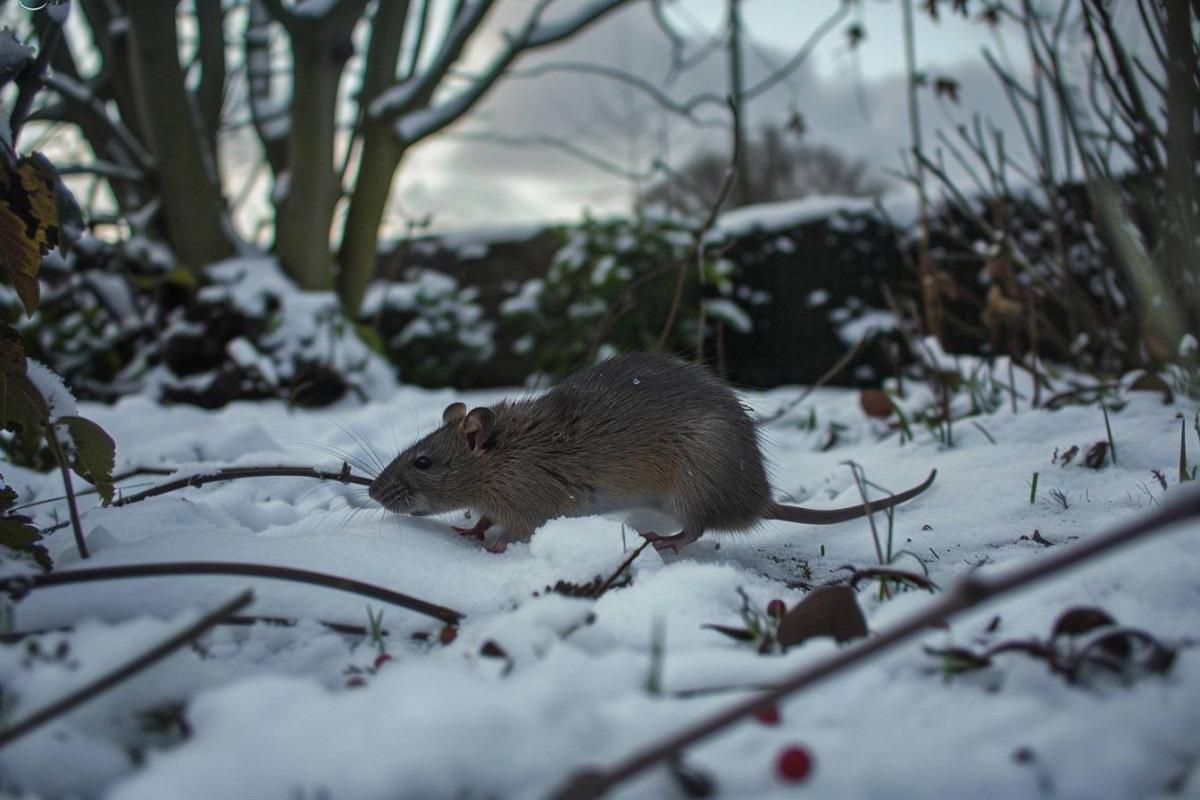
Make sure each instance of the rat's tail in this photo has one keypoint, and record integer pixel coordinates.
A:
(830, 516)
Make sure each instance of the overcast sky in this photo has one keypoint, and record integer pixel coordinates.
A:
(850, 98)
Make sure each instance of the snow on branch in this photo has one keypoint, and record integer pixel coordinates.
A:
(407, 93)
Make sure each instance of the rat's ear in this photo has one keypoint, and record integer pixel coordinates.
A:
(478, 427)
(454, 412)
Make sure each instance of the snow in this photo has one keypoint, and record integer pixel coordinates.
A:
(313, 8)
(526, 300)
(1188, 345)
(852, 331)
(59, 400)
(306, 328)
(771, 217)
(729, 312)
(271, 714)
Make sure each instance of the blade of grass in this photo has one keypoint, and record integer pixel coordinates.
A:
(1112, 446)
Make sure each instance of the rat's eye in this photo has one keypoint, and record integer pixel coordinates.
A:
(422, 462)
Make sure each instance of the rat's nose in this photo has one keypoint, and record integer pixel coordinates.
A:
(375, 491)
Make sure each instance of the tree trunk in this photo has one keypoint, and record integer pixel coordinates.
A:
(304, 208)
(742, 188)
(1181, 254)
(210, 95)
(193, 208)
(358, 256)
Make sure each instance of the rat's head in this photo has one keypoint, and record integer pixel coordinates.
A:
(436, 473)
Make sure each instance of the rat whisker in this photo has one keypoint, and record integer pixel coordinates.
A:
(351, 459)
(364, 445)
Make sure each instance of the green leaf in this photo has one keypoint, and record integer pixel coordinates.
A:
(92, 453)
(17, 534)
(371, 338)
(22, 406)
(12, 350)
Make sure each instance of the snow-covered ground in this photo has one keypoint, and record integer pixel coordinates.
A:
(275, 712)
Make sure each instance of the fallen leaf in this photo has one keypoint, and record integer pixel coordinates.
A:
(1080, 620)
(875, 403)
(1096, 455)
(827, 611)
(1152, 382)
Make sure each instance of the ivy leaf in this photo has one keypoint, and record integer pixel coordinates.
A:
(92, 453)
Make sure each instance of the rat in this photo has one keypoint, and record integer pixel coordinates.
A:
(640, 431)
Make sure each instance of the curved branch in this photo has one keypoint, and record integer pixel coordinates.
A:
(801, 55)
(76, 93)
(17, 587)
(685, 109)
(558, 143)
(429, 120)
(236, 473)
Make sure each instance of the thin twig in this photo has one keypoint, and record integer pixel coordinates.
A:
(858, 574)
(123, 476)
(825, 378)
(61, 457)
(971, 590)
(17, 586)
(125, 671)
(621, 569)
(856, 471)
(236, 473)
(697, 251)
(239, 620)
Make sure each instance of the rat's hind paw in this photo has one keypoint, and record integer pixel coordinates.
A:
(675, 542)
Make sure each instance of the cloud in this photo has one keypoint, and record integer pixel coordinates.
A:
(464, 181)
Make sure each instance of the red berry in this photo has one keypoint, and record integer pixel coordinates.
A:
(776, 609)
(768, 715)
(794, 763)
(382, 659)
(355, 681)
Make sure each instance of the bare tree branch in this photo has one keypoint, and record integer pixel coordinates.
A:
(557, 143)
